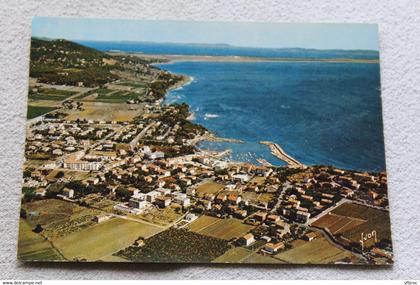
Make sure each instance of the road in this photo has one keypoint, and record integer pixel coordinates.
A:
(341, 202)
(134, 142)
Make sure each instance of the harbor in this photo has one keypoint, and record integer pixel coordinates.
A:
(278, 152)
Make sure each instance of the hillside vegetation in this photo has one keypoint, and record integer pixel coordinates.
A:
(65, 62)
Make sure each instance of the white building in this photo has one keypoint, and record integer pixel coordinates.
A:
(190, 217)
(247, 239)
(69, 193)
(156, 155)
(101, 218)
(136, 200)
(241, 177)
(181, 199)
(164, 191)
(74, 162)
(152, 195)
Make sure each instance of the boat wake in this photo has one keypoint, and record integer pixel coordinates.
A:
(208, 116)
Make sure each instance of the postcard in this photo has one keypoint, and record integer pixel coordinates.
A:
(204, 142)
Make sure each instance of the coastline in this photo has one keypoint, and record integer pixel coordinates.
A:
(168, 58)
(210, 135)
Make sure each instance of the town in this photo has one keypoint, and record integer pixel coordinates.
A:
(105, 156)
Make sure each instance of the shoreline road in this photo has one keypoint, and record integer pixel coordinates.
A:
(278, 152)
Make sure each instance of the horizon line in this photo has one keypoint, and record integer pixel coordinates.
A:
(203, 44)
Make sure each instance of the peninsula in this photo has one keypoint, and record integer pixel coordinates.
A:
(212, 58)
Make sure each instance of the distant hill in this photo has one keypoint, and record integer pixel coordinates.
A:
(65, 62)
(66, 53)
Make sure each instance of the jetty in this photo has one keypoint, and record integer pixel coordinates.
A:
(264, 162)
(278, 152)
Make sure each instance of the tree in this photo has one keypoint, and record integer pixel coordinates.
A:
(38, 228)
(59, 175)
(29, 194)
(23, 213)
(122, 193)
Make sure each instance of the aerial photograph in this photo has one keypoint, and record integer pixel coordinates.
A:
(204, 142)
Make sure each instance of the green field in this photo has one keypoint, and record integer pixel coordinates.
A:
(117, 97)
(102, 91)
(233, 255)
(209, 187)
(245, 255)
(315, 252)
(34, 247)
(109, 96)
(35, 111)
(59, 218)
(219, 228)
(103, 239)
(51, 94)
(134, 85)
(261, 259)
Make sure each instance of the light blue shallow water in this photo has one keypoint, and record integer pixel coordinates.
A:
(320, 113)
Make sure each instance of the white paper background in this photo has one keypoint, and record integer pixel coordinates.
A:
(399, 23)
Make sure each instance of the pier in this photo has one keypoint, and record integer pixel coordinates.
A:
(264, 162)
(278, 152)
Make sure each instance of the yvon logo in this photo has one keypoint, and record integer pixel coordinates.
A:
(364, 237)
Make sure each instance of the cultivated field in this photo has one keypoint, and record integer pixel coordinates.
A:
(315, 252)
(160, 216)
(106, 112)
(75, 175)
(57, 217)
(245, 255)
(350, 220)
(103, 239)
(337, 224)
(209, 187)
(51, 94)
(111, 96)
(261, 259)
(233, 255)
(35, 111)
(258, 180)
(34, 247)
(258, 197)
(219, 228)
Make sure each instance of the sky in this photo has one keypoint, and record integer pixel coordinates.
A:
(246, 34)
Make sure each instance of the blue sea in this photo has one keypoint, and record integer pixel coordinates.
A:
(319, 112)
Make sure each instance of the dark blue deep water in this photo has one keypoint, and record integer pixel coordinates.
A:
(320, 113)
